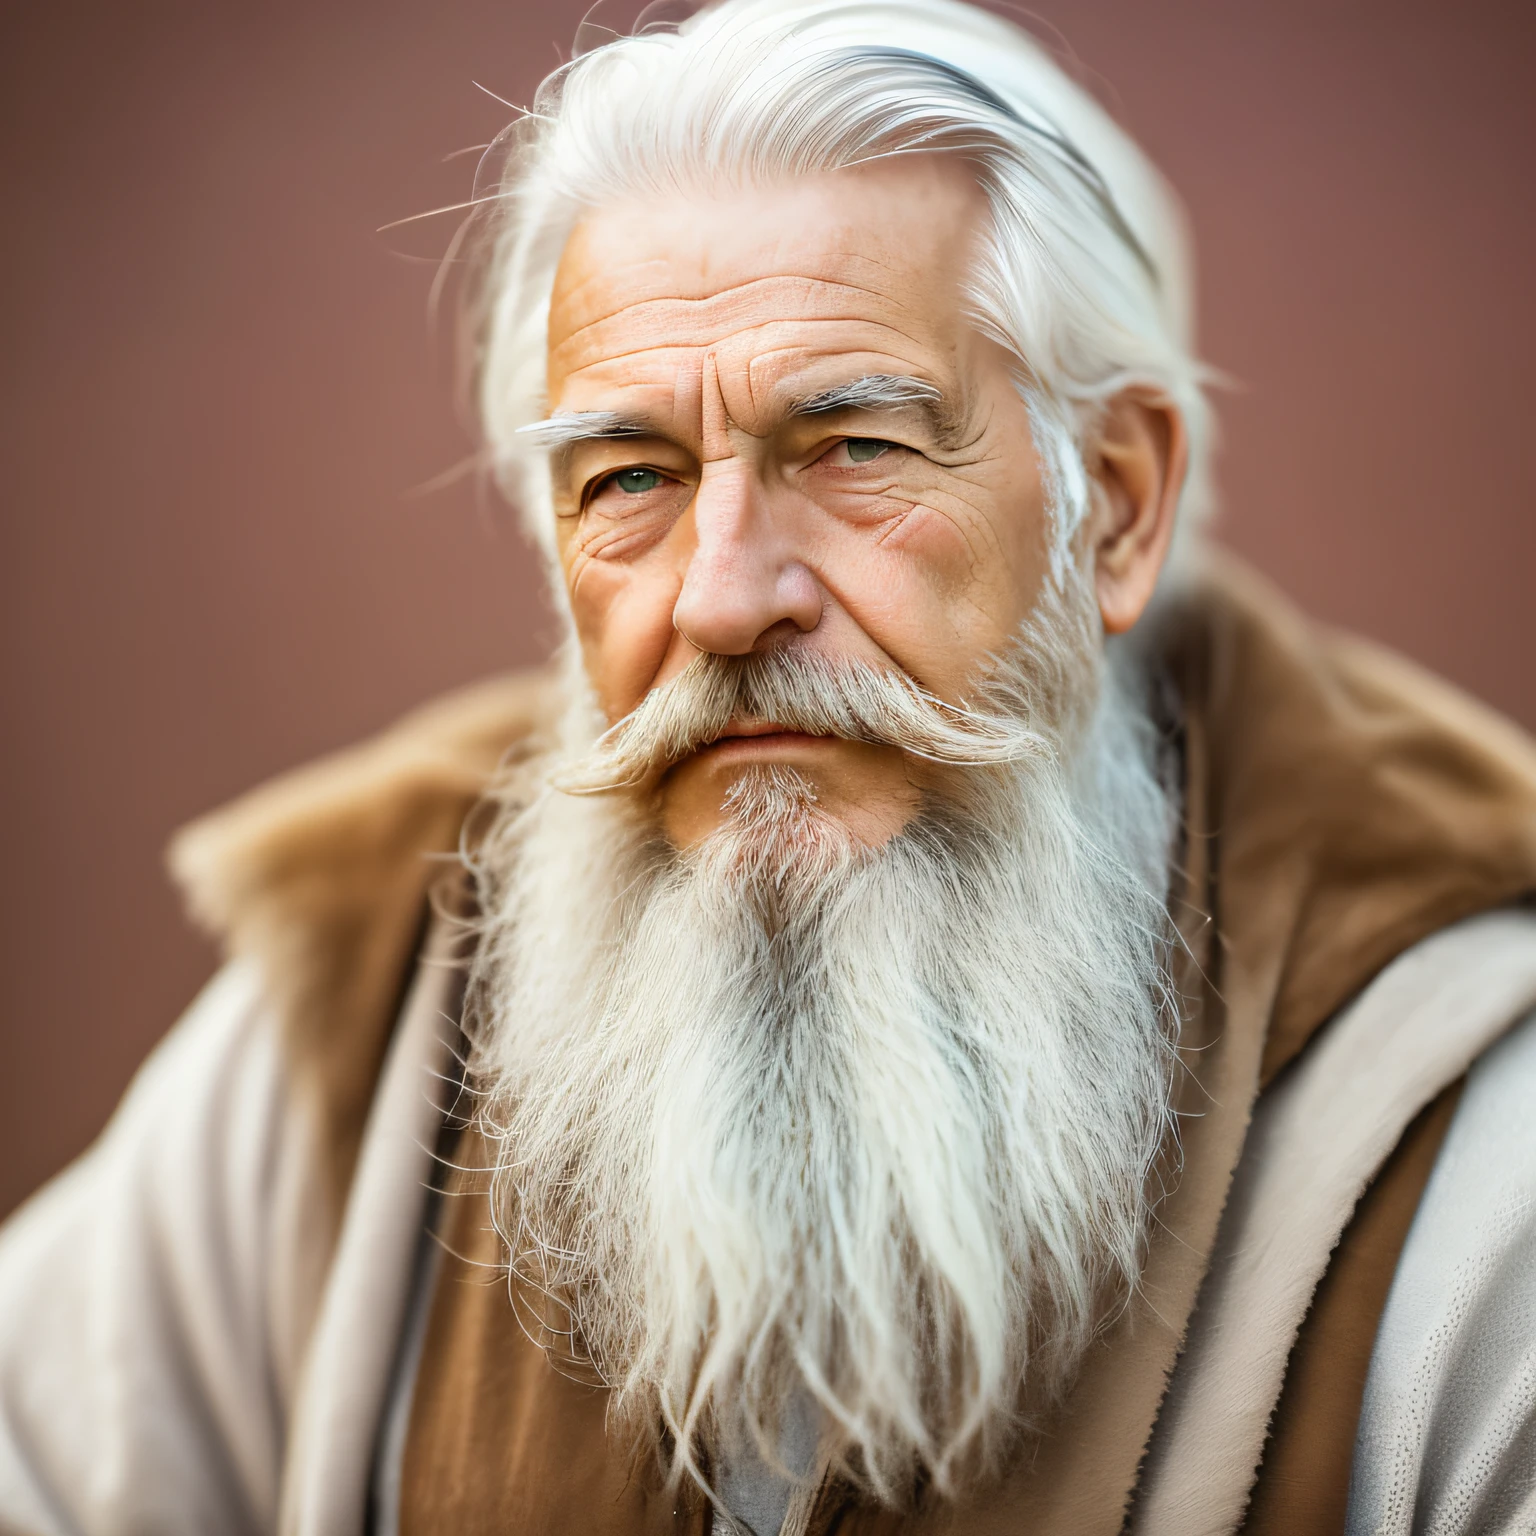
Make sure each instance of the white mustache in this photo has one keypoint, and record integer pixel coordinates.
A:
(799, 691)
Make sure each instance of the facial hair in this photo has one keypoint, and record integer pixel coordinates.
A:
(782, 1117)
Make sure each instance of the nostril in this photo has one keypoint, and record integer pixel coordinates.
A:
(782, 633)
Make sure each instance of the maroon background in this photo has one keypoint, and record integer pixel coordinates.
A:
(219, 390)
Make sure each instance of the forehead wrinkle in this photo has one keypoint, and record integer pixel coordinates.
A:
(736, 339)
(647, 328)
(709, 293)
(773, 401)
(737, 294)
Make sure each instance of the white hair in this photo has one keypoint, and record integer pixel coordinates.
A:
(1083, 276)
(782, 1121)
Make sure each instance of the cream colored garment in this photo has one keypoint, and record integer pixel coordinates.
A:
(1317, 1138)
(143, 1387)
(148, 1301)
(1447, 1441)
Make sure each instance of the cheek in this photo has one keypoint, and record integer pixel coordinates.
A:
(937, 543)
(942, 583)
(984, 543)
(969, 559)
(623, 620)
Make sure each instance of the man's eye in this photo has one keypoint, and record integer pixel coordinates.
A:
(861, 450)
(636, 482)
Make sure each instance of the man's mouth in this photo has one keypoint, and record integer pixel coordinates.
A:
(750, 737)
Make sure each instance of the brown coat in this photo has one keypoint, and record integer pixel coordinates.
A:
(1341, 807)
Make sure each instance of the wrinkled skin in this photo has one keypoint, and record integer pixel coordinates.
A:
(912, 535)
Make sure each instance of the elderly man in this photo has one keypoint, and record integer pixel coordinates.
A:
(949, 1009)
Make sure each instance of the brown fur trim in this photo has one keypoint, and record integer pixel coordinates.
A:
(1360, 803)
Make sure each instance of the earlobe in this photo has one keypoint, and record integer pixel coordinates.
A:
(1139, 473)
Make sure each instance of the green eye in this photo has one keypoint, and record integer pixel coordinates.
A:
(862, 449)
(636, 482)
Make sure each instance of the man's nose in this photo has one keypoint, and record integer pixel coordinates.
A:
(744, 578)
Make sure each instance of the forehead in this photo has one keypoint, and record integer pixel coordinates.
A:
(860, 269)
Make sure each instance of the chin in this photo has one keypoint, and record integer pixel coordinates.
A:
(798, 797)
(772, 834)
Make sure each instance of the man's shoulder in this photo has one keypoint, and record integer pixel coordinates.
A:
(1255, 655)
(1360, 804)
(321, 877)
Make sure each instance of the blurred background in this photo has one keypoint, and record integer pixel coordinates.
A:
(222, 405)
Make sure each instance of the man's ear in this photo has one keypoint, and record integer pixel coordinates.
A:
(1142, 453)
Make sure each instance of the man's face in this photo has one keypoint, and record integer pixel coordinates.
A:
(743, 506)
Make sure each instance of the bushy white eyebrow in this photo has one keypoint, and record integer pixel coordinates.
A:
(872, 392)
(567, 427)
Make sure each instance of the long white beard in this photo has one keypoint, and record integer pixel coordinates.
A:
(782, 1117)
